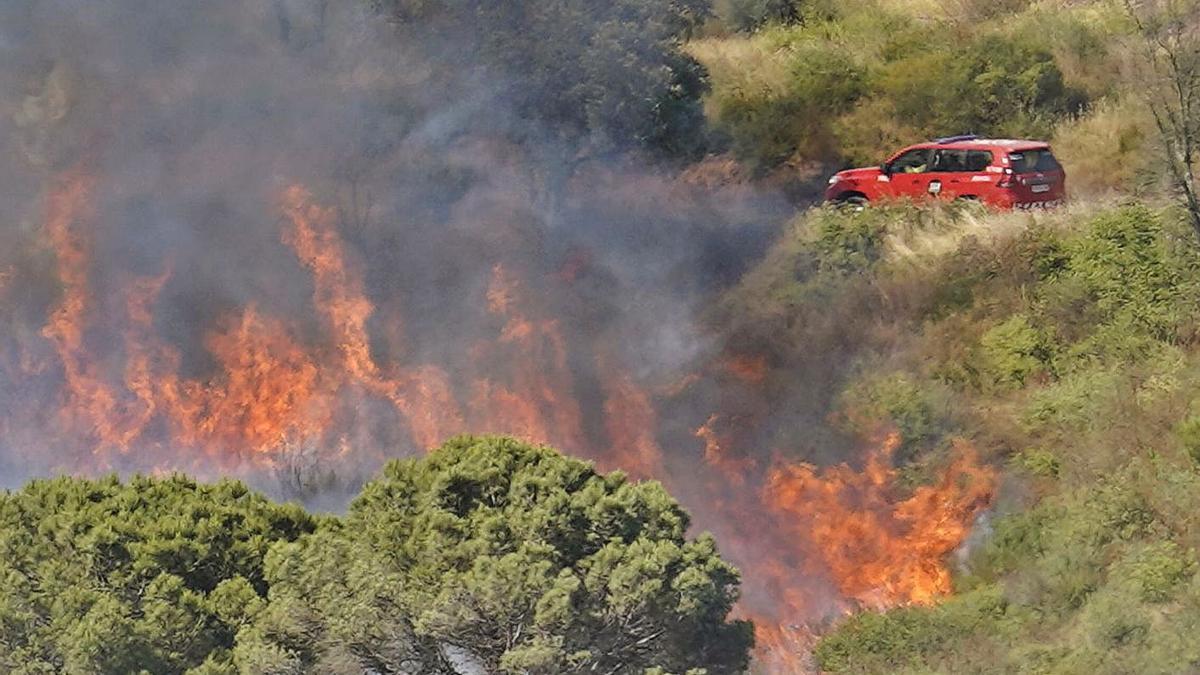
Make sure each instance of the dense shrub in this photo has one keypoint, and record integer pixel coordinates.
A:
(515, 558)
(602, 75)
(145, 576)
(488, 552)
(746, 15)
(1073, 341)
(768, 125)
(1012, 352)
(855, 84)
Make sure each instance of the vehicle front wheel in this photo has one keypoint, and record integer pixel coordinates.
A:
(852, 203)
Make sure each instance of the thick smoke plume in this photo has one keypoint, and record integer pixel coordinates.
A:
(290, 240)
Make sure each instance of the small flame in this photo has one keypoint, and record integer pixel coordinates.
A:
(747, 368)
(784, 649)
(631, 423)
(539, 406)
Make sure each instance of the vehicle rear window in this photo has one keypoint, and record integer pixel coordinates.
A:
(1033, 161)
(972, 161)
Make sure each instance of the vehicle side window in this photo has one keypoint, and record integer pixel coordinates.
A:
(978, 160)
(913, 161)
(957, 161)
(950, 160)
(1030, 161)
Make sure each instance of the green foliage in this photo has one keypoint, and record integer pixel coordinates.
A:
(900, 402)
(766, 126)
(1039, 462)
(1134, 273)
(1188, 432)
(890, 642)
(1072, 335)
(150, 575)
(608, 75)
(863, 79)
(526, 561)
(747, 15)
(488, 552)
(1012, 352)
(1154, 569)
(999, 86)
(848, 241)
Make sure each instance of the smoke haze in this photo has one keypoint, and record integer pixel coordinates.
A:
(289, 240)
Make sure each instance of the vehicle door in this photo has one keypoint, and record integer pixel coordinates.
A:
(945, 171)
(959, 173)
(908, 174)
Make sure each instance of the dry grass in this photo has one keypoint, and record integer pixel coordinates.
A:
(1107, 151)
(941, 229)
(752, 64)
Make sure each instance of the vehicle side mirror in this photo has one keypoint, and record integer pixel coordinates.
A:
(885, 168)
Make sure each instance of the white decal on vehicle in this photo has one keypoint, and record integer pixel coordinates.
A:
(981, 179)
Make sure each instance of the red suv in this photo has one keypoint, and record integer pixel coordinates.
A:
(1001, 173)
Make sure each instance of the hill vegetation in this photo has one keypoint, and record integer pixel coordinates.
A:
(487, 556)
(1065, 345)
(846, 83)
(1062, 343)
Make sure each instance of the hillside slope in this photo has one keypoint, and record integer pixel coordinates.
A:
(848, 83)
(1062, 345)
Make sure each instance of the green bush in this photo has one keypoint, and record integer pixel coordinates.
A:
(1135, 272)
(846, 241)
(1012, 352)
(1153, 570)
(529, 561)
(1039, 462)
(907, 637)
(768, 125)
(153, 575)
(899, 401)
(1188, 432)
(865, 79)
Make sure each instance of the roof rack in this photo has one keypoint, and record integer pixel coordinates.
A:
(956, 139)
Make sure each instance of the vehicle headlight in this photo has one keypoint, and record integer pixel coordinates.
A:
(833, 179)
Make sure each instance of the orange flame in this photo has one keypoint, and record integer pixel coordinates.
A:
(145, 360)
(266, 391)
(89, 404)
(539, 406)
(270, 392)
(631, 423)
(747, 368)
(784, 649)
(718, 452)
(882, 551)
(422, 395)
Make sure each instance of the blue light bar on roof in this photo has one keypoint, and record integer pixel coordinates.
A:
(956, 139)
